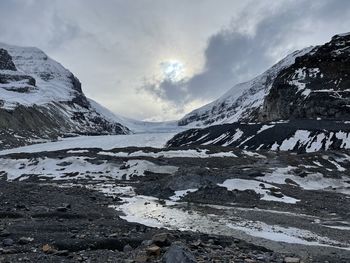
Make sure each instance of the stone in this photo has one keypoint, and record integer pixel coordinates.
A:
(7, 242)
(61, 209)
(127, 248)
(48, 249)
(177, 253)
(4, 233)
(25, 240)
(153, 251)
(290, 181)
(161, 239)
(291, 260)
(61, 253)
(147, 243)
(141, 259)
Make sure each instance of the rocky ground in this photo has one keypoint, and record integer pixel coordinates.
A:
(79, 206)
(43, 223)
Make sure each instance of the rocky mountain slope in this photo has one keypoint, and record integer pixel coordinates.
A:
(309, 89)
(237, 106)
(40, 99)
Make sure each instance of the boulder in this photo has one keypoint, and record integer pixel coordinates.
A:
(178, 253)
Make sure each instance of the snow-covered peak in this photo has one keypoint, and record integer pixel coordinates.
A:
(53, 82)
(41, 99)
(137, 126)
(242, 99)
(344, 34)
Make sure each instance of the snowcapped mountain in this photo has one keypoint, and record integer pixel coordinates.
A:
(237, 106)
(301, 103)
(40, 99)
(137, 126)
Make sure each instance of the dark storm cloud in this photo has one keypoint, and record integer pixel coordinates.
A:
(233, 56)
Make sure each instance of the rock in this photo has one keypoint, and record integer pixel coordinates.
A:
(146, 243)
(177, 253)
(48, 249)
(291, 260)
(66, 205)
(124, 166)
(290, 181)
(153, 251)
(127, 248)
(7, 251)
(25, 240)
(61, 209)
(64, 164)
(21, 206)
(161, 239)
(141, 259)
(276, 194)
(7, 242)
(4, 233)
(61, 253)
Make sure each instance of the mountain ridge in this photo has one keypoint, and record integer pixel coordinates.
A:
(311, 94)
(40, 99)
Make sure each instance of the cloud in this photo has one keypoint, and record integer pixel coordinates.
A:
(115, 47)
(254, 41)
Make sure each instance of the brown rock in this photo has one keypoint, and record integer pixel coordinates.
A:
(153, 251)
(161, 239)
(48, 249)
(141, 259)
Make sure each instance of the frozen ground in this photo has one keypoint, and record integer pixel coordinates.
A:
(289, 203)
(155, 140)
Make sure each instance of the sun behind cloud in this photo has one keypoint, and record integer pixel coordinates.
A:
(173, 70)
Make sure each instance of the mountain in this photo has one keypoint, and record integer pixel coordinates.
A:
(301, 103)
(40, 99)
(238, 106)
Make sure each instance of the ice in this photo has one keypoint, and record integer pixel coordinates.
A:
(78, 151)
(146, 210)
(265, 127)
(286, 235)
(155, 140)
(314, 181)
(172, 154)
(257, 186)
(301, 136)
(235, 137)
(181, 193)
(51, 168)
(337, 165)
(253, 154)
(136, 126)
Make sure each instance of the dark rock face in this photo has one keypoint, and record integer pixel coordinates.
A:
(296, 135)
(6, 62)
(317, 85)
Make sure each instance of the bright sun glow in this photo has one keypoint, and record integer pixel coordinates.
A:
(173, 70)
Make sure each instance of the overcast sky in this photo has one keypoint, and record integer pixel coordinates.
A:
(159, 59)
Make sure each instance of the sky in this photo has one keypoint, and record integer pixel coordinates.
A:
(159, 59)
